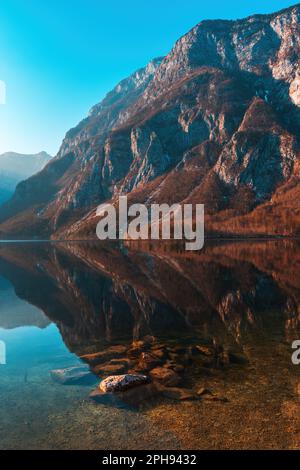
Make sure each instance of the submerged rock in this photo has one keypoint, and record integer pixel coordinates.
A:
(165, 376)
(75, 375)
(160, 353)
(112, 352)
(149, 339)
(174, 366)
(147, 361)
(204, 350)
(175, 393)
(120, 383)
(136, 349)
(123, 360)
(109, 369)
(204, 391)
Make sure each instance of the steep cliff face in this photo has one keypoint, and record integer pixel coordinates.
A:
(216, 121)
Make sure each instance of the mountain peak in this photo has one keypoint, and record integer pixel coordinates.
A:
(216, 121)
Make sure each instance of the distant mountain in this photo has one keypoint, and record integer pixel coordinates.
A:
(15, 167)
(217, 121)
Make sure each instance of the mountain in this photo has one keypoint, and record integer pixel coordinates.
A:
(216, 121)
(15, 167)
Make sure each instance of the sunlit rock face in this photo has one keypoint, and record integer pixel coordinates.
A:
(216, 121)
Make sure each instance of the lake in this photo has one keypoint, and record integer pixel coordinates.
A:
(212, 330)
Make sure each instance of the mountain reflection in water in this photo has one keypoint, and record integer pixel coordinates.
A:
(222, 321)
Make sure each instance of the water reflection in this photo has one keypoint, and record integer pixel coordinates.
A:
(201, 326)
(103, 293)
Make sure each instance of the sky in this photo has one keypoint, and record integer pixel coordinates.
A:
(60, 57)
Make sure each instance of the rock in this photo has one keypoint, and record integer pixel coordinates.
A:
(204, 350)
(117, 349)
(147, 362)
(124, 361)
(97, 393)
(172, 365)
(149, 339)
(158, 346)
(208, 395)
(109, 369)
(136, 349)
(95, 358)
(204, 391)
(165, 376)
(120, 383)
(133, 371)
(76, 375)
(112, 352)
(175, 393)
(159, 353)
(138, 344)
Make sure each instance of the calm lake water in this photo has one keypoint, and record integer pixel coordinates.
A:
(213, 330)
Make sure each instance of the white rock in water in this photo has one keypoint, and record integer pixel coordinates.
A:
(119, 383)
(75, 375)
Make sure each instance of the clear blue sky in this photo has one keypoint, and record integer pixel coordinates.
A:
(60, 57)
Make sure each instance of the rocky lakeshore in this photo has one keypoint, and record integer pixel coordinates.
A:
(150, 369)
(253, 401)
